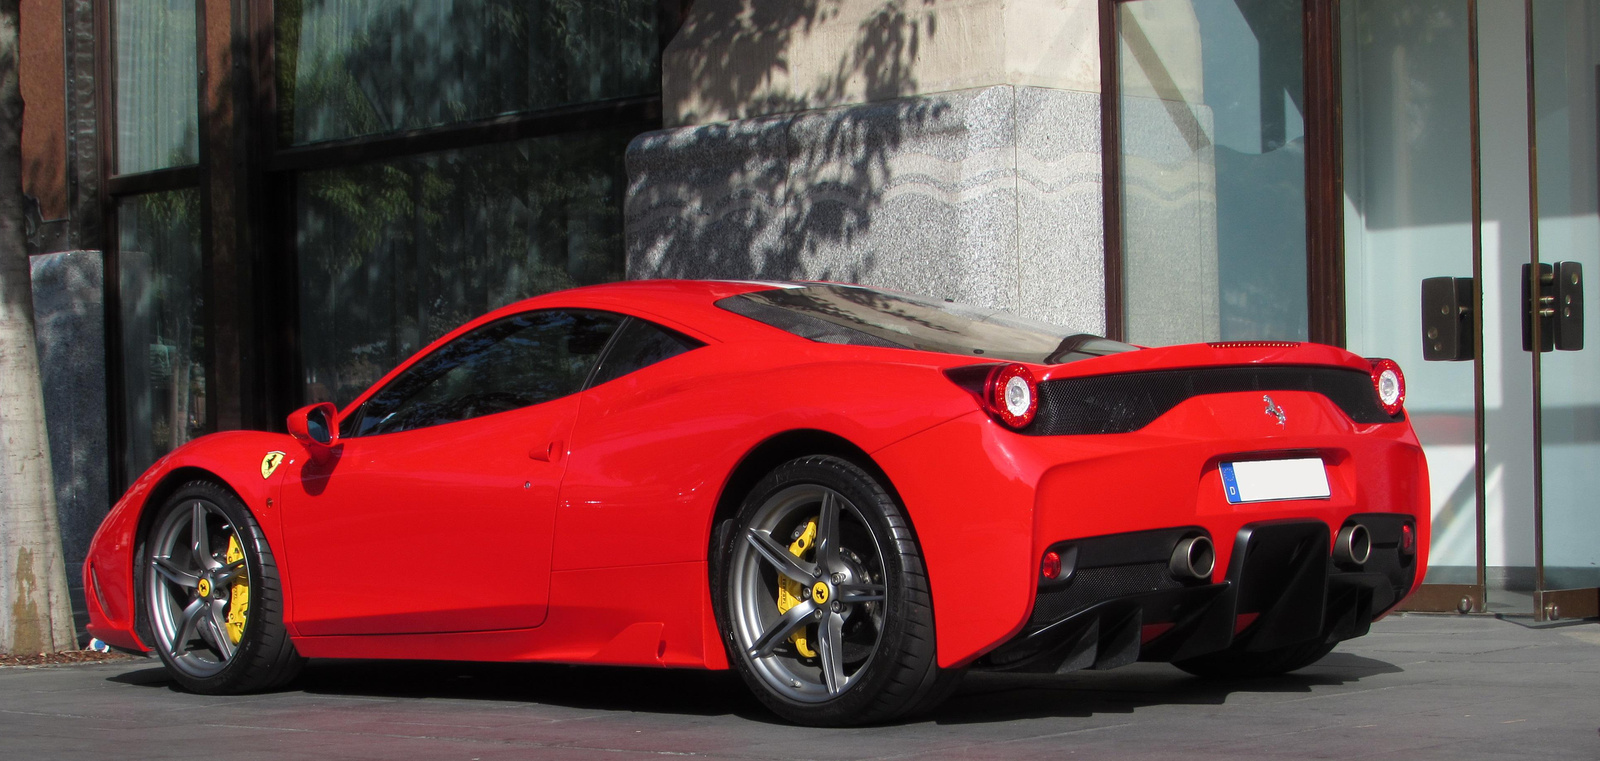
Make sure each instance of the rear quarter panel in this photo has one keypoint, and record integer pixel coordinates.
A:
(653, 451)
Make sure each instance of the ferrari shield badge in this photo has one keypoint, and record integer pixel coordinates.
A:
(270, 463)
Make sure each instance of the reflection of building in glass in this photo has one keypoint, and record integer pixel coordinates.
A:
(283, 205)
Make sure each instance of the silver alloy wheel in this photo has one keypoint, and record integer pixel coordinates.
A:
(188, 585)
(845, 563)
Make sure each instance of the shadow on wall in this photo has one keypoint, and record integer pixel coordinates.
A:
(777, 197)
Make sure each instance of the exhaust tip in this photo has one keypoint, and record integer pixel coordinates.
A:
(1193, 558)
(1353, 545)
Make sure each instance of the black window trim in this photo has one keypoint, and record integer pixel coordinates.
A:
(605, 351)
(627, 322)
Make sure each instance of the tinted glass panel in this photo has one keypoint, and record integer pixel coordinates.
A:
(163, 336)
(867, 317)
(348, 68)
(157, 117)
(516, 362)
(1213, 170)
(1408, 214)
(1567, 95)
(395, 254)
(639, 345)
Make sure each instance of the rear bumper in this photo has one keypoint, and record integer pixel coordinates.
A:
(1119, 603)
(987, 503)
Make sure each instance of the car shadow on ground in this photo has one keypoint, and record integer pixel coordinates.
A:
(982, 697)
(990, 697)
(684, 692)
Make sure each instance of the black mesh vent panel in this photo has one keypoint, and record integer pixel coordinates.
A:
(1128, 402)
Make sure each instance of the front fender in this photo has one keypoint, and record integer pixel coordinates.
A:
(233, 459)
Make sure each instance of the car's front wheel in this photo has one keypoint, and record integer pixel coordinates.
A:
(210, 600)
(823, 600)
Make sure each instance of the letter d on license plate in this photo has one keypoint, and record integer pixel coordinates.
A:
(1274, 480)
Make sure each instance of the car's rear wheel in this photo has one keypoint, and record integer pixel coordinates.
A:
(210, 600)
(823, 599)
(1246, 664)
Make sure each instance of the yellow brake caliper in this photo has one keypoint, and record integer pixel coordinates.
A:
(789, 590)
(239, 594)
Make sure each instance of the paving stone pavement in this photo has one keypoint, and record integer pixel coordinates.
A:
(1417, 687)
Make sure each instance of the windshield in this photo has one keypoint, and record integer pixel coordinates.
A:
(845, 314)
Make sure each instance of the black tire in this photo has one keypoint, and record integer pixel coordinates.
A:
(1243, 664)
(877, 661)
(198, 650)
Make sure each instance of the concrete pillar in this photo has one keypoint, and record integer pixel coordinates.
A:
(946, 147)
(69, 328)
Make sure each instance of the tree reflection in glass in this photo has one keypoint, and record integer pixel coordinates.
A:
(348, 68)
(395, 254)
(162, 324)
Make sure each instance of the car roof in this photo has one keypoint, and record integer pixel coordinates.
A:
(687, 305)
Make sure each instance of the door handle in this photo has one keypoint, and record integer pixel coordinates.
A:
(1447, 319)
(1559, 307)
(1569, 306)
(547, 453)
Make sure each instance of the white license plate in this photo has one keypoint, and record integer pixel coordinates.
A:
(1273, 480)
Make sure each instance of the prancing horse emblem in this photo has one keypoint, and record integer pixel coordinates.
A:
(1274, 410)
(270, 463)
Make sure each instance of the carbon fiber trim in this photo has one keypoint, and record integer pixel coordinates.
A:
(1128, 402)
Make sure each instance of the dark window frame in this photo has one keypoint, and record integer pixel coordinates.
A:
(275, 249)
(116, 187)
(260, 333)
(1325, 318)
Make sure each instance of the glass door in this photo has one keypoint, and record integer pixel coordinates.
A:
(1472, 211)
(1565, 108)
(1411, 213)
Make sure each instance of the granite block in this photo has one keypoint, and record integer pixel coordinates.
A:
(989, 196)
(1060, 208)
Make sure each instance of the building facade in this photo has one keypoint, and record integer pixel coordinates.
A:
(244, 206)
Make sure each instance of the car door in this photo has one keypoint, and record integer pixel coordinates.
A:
(437, 513)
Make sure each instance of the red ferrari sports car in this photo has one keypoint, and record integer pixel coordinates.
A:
(849, 495)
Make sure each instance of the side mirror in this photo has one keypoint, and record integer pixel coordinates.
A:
(316, 427)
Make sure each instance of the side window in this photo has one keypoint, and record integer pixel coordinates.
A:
(519, 361)
(639, 345)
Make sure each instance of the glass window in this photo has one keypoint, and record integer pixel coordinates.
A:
(163, 336)
(348, 68)
(508, 364)
(640, 345)
(868, 317)
(395, 254)
(1213, 170)
(157, 94)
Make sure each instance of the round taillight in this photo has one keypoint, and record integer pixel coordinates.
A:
(1408, 539)
(1390, 384)
(1050, 567)
(1013, 395)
